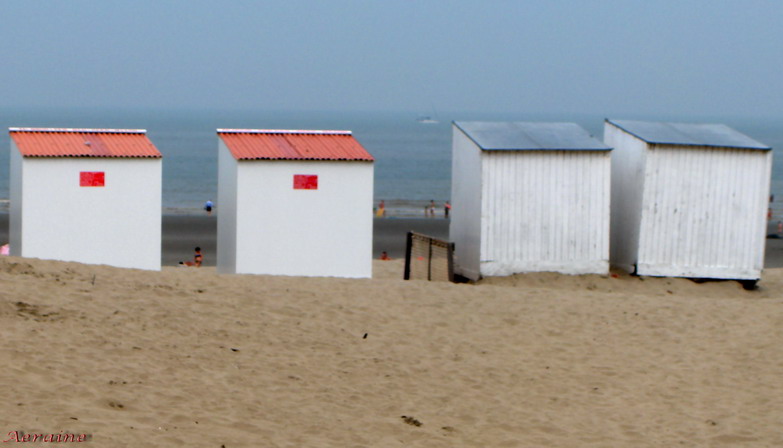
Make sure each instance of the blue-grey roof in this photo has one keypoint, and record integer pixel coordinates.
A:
(687, 134)
(525, 136)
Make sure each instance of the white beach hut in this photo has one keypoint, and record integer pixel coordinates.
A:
(529, 197)
(294, 202)
(86, 195)
(688, 200)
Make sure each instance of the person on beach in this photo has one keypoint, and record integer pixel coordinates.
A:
(381, 209)
(431, 209)
(198, 258)
(208, 207)
(446, 209)
(385, 256)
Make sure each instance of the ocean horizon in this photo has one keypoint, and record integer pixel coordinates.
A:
(413, 156)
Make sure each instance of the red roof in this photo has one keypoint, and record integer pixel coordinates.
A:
(55, 142)
(255, 144)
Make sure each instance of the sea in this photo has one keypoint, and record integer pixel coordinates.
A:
(413, 154)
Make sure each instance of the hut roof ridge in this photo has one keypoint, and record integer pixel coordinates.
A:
(530, 136)
(713, 135)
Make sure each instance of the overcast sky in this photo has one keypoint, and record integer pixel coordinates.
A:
(701, 57)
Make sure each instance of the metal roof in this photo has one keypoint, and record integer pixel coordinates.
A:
(688, 134)
(62, 142)
(527, 136)
(273, 144)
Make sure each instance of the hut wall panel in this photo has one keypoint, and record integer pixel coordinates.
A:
(465, 225)
(15, 193)
(227, 203)
(628, 168)
(325, 232)
(118, 224)
(545, 211)
(704, 212)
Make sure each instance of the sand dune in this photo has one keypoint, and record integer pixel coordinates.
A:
(186, 357)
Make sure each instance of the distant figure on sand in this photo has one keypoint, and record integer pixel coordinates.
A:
(446, 209)
(208, 207)
(381, 209)
(197, 259)
(431, 209)
(385, 256)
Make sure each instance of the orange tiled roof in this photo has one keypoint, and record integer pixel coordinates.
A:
(58, 142)
(255, 144)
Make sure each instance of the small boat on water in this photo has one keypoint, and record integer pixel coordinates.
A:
(426, 120)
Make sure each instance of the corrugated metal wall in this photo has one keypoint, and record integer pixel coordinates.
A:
(545, 211)
(704, 212)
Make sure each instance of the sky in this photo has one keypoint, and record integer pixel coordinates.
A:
(663, 57)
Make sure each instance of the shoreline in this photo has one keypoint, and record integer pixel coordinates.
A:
(395, 208)
(181, 233)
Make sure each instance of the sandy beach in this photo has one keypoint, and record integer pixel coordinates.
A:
(186, 357)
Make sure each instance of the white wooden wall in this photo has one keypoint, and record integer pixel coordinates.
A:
(465, 226)
(704, 212)
(545, 211)
(226, 209)
(15, 207)
(628, 168)
(118, 224)
(283, 231)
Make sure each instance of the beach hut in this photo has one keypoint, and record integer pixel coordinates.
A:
(688, 200)
(293, 202)
(86, 195)
(529, 197)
